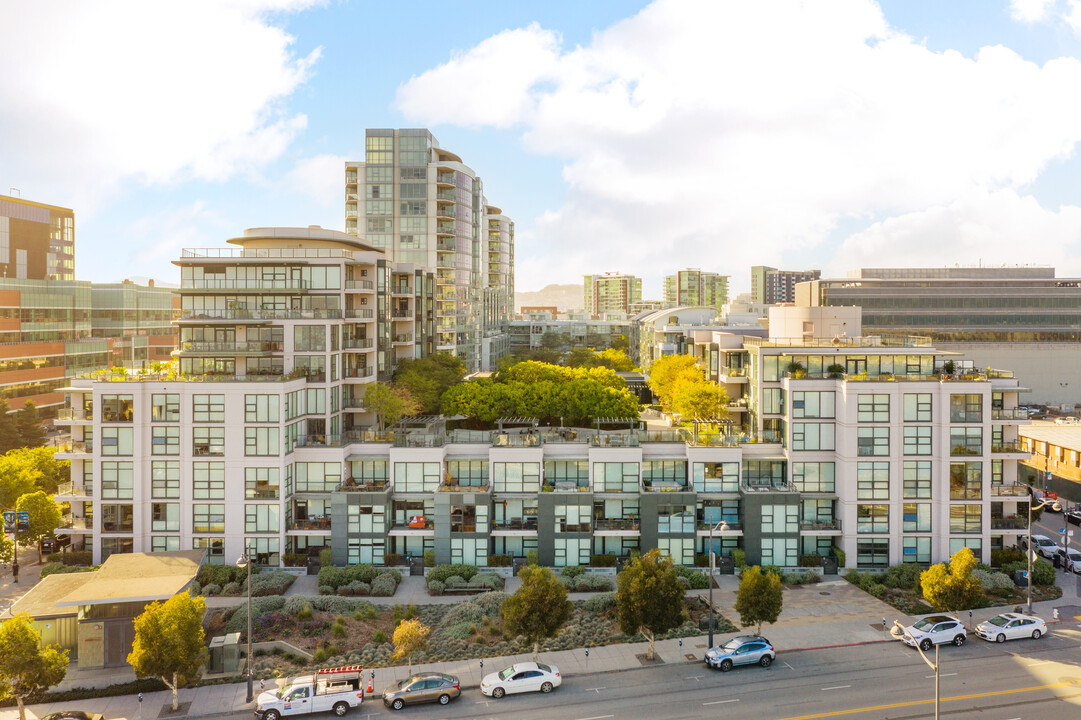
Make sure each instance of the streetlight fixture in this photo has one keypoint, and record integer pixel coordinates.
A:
(1028, 546)
(242, 563)
(722, 526)
(933, 666)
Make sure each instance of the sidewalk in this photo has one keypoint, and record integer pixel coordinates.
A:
(831, 614)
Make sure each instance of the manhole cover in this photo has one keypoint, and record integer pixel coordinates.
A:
(823, 592)
(691, 656)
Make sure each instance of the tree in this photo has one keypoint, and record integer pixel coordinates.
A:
(44, 518)
(429, 377)
(26, 668)
(952, 588)
(539, 608)
(616, 360)
(699, 400)
(409, 637)
(169, 642)
(759, 598)
(16, 479)
(7, 549)
(43, 459)
(390, 403)
(664, 373)
(620, 342)
(649, 598)
(31, 434)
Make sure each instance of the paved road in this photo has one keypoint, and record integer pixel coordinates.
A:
(1020, 679)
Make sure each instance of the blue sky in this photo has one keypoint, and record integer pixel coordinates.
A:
(630, 136)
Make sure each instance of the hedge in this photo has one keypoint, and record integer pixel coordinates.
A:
(443, 572)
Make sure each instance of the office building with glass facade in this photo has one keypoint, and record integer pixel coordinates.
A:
(611, 293)
(694, 287)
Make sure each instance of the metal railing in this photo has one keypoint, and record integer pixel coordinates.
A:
(71, 522)
(516, 440)
(359, 285)
(1011, 490)
(1008, 447)
(775, 486)
(266, 253)
(250, 346)
(246, 284)
(359, 313)
(1009, 523)
(245, 314)
(357, 343)
(516, 524)
(834, 524)
(615, 523)
(1009, 414)
(320, 523)
(360, 485)
(361, 372)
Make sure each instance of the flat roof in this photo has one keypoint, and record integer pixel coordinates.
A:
(137, 577)
(42, 599)
(1064, 436)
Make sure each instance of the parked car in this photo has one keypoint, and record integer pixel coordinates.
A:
(935, 630)
(422, 688)
(73, 715)
(1011, 626)
(741, 650)
(329, 690)
(55, 544)
(1042, 544)
(520, 678)
(1069, 559)
(1074, 517)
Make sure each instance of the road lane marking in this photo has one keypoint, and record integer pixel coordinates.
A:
(940, 675)
(837, 687)
(598, 691)
(721, 702)
(789, 666)
(696, 678)
(911, 703)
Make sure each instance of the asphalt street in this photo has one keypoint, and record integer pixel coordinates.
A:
(1025, 679)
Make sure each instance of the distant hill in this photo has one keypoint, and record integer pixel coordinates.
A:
(564, 297)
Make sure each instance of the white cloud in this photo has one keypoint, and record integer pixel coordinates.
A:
(103, 93)
(160, 237)
(321, 178)
(1072, 16)
(725, 134)
(1031, 11)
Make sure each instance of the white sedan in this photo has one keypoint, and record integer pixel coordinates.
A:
(520, 678)
(1011, 626)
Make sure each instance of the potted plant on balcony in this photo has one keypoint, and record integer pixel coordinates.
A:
(948, 369)
(836, 371)
(796, 369)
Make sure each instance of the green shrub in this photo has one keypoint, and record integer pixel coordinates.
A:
(305, 612)
(62, 569)
(455, 581)
(489, 580)
(905, 576)
(436, 587)
(326, 590)
(326, 557)
(194, 589)
(71, 557)
(338, 631)
(572, 571)
(810, 560)
(429, 558)
(683, 582)
(491, 601)
(839, 554)
(232, 589)
(701, 560)
(319, 656)
(1004, 556)
(877, 591)
(445, 572)
(466, 612)
(1043, 573)
(392, 559)
(499, 560)
(603, 560)
(739, 558)
(271, 583)
(805, 577)
(532, 557)
(384, 585)
(379, 637)
(355, 588)
(211, 590)
(600, 602)
(993, 580)
(772, 570)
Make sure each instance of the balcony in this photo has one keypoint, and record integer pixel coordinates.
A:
(313, 523)
(244, 284)
(629, 523)
(529, 523)
(565, 527)
(571, 486)
(319, 440)
(453, 486)
(359, 285)
(401, 290)
(194, 346)
(812, 525)
(445, 178)
(1011, 446)
(775, 487)
(1009, 523)
(664, 486)
(402, 339)
(1009, 414)
(733, 526)
(965, 450)
(362, 485)
(357, 343)
(1013, 490)
(614, 441)
(360, 313)
(70, 522)
(419, 441)
(77, 447)
(516, 440)
(244, 314)
(476, 437)
(261, 253)
(71, 490)
(360, 372)
(446, 229)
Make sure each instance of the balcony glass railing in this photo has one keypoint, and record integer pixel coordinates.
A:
(820, 524)
(1009, 523)
(76, 523)
(73, 490)
(226, 347)
(313, 523)
(245, 284)
(1007, 447)
(363, 485)
(359, 285)
(760, 487)
(357, 343)
(1009, 414)
(529, 523)
(77, 447)
(360, 372)
(615, 523)
(242, 314)
(1012, 490)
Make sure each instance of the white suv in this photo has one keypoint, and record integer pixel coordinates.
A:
(935, 630)
(1043, 545)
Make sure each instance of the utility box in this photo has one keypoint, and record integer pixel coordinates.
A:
(1019, 578)
(231, 655)
(216, 654)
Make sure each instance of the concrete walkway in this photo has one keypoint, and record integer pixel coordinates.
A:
(811, 620)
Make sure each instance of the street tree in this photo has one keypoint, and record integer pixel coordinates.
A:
(539, 608)
(390, 403)
(649, 598)
(43, 459)
(409, 637)
(699, 400)
(169, 642)
(7, 549)
(28, 424)
(952, 588)
(667, 370)
(44, 518)
(759, 599)
(16, 479)
(26, 668)
(429, 377)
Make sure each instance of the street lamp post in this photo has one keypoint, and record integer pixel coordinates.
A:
(1028, 546)
(242, 563)
(722, 526)
(933, 666)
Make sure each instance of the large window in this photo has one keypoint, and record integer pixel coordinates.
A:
(208, 408)
(572, 551)
(764, 473)
(780, 519)
(918, 440)
(215, 549)
(260, 518)
(966, 518)
(615, 477)
(974, 544)
(116, 441)
(917, 407)
(716, 477)
(165, 479)
(872, 518)
(366, 519)
(666, 473)
(165, 517)
(116, 408)
(675, 519)
(467, 473)
(917, 479)
(917, 550)
(516, 477)
(366, 550)
(164, 543)
(810, 477)
(261, 483)
(872, 554)
(916, 517)
(370, 471)
(262, 441)
(812, 436)
(472, 551)
(872, 441)
(813, 404)
(261, 408)
(165, 407)
(165, 440)
(573, 518)
(117, 518)
(207, 441)
(783, 552)
(681, 550)
(966, 481)
(117, 480)
(208, 480)
(208, 518)
(773, 401)
(324, 477)
(966, 441)
(416, 477)
(309, 338)
(114, 545)
(469, 518)
(873, 481)
(873, 408)
(569, 472)
(966, 408)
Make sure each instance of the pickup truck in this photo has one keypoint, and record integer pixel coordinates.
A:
(329, 690)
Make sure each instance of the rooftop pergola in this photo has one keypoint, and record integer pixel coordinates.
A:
(517, 422)
(630, 422)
